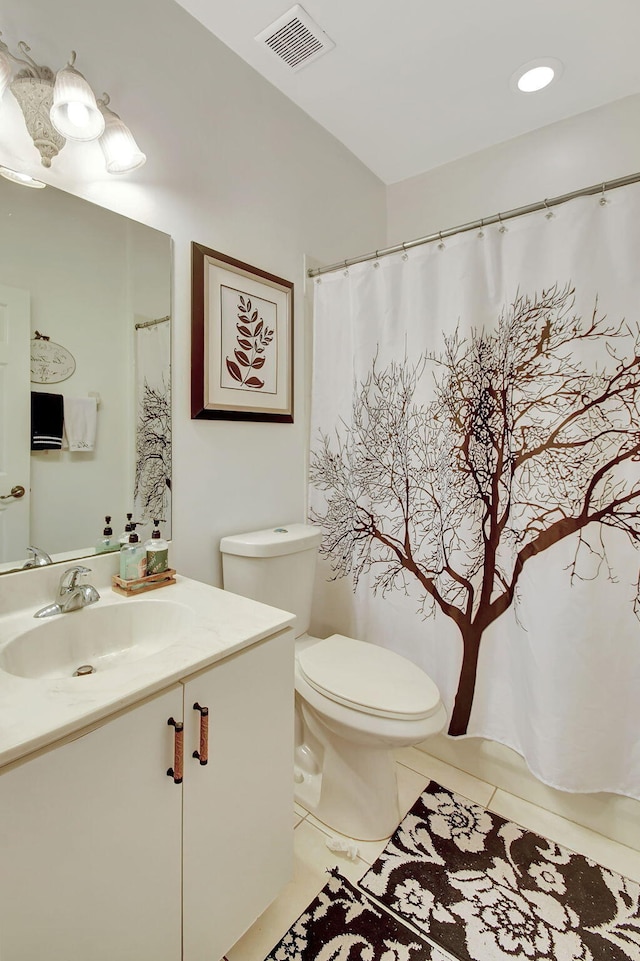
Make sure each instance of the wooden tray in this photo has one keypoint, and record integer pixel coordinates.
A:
(142, 584)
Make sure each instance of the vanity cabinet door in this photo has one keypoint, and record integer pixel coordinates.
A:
(238, 822)
(90, 844)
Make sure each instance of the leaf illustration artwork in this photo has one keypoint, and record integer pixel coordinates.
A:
(248, 332)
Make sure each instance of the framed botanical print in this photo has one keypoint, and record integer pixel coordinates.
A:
(241, 340)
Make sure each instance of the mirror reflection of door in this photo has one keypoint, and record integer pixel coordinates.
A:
(15, 412)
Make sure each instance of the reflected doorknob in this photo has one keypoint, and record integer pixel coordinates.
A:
(17, 491)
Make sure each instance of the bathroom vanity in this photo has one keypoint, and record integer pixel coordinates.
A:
(111, 845)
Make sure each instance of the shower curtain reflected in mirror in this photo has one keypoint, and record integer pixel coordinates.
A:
(152, 490)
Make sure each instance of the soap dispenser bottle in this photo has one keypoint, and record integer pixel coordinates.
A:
(133, 558)
(107, 542)
(157, 551)
(124, 537)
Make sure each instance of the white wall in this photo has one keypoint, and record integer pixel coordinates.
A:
(593, 147)
(599, 145)
(232, 165)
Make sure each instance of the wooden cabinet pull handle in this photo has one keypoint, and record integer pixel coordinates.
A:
(203, 754)
(178, 751)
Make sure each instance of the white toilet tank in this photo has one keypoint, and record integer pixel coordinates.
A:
(274, 566)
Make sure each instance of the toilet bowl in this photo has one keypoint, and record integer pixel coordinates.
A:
(356, 703)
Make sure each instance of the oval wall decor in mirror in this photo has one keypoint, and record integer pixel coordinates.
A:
(98, 285)
(50, 362)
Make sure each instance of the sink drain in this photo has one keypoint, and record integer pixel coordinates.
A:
(84, 669)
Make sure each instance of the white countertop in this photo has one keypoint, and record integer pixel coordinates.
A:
(35, 712)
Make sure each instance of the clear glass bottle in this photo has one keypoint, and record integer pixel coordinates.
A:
(107, 542)
(157, 551)
(128, 527)
(133, 558)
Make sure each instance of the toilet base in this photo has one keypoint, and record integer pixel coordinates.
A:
(307, 793)
(306, 789)
(354, 794)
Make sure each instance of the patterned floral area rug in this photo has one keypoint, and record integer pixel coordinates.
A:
(342, 923)
(486, 889)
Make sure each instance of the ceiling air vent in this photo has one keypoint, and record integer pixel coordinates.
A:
(295, 38)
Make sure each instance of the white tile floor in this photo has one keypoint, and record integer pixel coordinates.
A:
(415, 769)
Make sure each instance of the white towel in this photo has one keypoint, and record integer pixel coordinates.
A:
(80, 420)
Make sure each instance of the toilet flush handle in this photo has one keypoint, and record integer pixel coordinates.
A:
(203, 754)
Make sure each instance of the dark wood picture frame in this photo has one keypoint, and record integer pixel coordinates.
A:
(241, 340)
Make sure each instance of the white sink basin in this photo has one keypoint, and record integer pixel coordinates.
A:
(102, 637)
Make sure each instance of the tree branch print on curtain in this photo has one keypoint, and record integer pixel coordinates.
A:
(522, 447)
(152, 488)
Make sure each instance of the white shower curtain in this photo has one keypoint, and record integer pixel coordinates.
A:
(152, 490)
(475, 466)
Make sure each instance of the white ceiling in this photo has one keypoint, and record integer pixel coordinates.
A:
(412, 84)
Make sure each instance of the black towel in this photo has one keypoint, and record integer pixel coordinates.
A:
(47, 415)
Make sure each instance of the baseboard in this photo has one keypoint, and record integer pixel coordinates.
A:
(611, 815)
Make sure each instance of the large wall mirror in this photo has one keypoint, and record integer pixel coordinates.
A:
(98, 286)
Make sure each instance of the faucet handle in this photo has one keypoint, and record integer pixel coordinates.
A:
(75, 573)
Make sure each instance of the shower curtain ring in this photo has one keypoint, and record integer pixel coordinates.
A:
(502, 228)
(376, 263)
(603, 199)
(346, 269)
(549, 213)
(405, 255)
(441, 245)
(481, 231)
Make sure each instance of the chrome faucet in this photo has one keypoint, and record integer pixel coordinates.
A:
(71, 595)
(39, 558)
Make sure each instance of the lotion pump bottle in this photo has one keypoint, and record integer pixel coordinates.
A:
(128, 527)
(107, 542)
(133, 558)
(157, 551)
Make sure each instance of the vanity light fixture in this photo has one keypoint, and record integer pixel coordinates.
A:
(25, 180)
(536, 75)
(121, 152)
(74, 112)
(5, 72)
(60, 107)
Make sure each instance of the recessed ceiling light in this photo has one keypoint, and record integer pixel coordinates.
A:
(19, 178)
(536, 75)
(536, 79)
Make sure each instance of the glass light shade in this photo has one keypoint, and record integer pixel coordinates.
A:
(5, 72)
(121, 152)
(25, 180)
(75, 113)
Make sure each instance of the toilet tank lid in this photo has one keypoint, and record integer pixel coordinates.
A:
(285, 539)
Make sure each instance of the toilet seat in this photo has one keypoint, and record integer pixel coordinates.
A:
(368, 678)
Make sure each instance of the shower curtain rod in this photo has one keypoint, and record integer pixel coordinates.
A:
(152, 323)
(474, 224)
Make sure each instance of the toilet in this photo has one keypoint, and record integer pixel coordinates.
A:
(356, 703)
